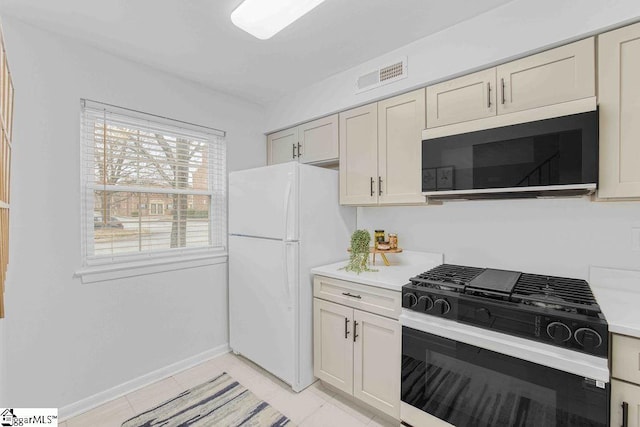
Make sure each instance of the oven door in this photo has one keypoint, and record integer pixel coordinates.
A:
(466, 385)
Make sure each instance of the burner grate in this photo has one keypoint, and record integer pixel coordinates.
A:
(557, 292)
(447, 277)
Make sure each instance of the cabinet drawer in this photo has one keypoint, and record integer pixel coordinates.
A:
(625, 358)
(364, 297)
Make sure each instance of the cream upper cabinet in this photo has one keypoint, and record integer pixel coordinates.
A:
(282, 146)
(558, 75)
(401, 120)
(466, 98)
(312, 142)
(376, 361)
(319, 140)
(333, 344)
(380, 151)
(619, 102)
(359, 156)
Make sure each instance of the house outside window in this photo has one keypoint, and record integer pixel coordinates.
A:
(152, 187)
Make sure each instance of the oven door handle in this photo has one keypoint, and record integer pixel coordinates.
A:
(563, 359)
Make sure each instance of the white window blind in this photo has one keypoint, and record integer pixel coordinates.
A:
(151, 186)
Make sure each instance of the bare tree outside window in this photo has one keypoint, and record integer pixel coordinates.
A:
(152, 186)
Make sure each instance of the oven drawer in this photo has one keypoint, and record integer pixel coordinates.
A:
(375, 300)
(625, 355)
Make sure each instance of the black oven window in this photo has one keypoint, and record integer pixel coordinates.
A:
(469, 386)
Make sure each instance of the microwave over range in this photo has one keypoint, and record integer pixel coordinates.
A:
(555, 156)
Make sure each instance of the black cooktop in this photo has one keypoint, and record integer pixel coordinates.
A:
(551, 292)
(555, 310)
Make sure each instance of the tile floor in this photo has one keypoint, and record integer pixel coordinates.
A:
(317, 406)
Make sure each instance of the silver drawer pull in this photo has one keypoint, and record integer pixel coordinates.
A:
(347, 294)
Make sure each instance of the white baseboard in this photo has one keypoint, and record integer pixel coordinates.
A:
(84, 405)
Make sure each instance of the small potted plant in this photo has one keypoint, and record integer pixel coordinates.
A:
(359, 258)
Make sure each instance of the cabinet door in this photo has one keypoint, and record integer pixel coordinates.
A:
(621, 393)
(465, 98)
(558, 75)
(619, 101)
(400, 124)
(319, 140)
(282, 146)
(376, 361)
(359, 156)
(333, 344)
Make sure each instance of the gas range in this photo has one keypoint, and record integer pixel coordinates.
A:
(554, 310)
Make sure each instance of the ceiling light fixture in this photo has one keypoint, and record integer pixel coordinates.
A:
(264, 18)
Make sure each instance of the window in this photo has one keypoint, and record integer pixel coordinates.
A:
(153, 187)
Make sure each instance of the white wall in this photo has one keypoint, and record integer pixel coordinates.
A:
(514, 29)
(546, 236)
(67, 340)
(3, 366)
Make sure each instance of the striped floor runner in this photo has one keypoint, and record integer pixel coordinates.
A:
(219, 402)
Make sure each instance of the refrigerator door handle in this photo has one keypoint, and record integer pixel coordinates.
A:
(287, 197)
(287, 281)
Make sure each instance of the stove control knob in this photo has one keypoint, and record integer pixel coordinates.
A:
(559, 332)
(483, 315)
(588, 338)
(409, 300)
(425, 303)
(441, 306)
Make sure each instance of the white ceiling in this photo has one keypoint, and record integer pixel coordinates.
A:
(196, 39)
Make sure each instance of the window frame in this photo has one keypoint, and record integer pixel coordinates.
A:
(108, 267)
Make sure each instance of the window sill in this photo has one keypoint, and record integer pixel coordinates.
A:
(120, 270)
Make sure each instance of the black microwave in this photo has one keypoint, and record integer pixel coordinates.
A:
(557, 156)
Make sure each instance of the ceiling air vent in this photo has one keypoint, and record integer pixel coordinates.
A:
(382, 76)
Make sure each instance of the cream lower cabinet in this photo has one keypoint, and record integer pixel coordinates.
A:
(619, 104)
(333, 346)
(625, 384)
(359, 353)
(380, 151)
(625, 402)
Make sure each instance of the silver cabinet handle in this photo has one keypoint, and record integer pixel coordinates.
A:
(293, 150)
(299, 153)
(502, 86)
(489, 95)
(379, 186)
(371, 186)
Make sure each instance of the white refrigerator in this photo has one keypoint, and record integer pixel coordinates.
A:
(283, 220)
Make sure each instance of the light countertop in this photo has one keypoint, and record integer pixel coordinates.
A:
(403, 266)
(618, 294)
